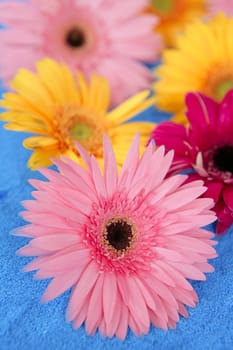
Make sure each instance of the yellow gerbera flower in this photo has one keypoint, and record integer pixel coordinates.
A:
(174, 16)
(202, 61)
(62, 109)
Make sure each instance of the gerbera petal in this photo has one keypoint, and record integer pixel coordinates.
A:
(53, 242)
(137, 304)
(131, 162)
(59, 285)
(202, 110)
(123, 323)
(32, 89)
(185, 196)
(95, 308)
(109, 298)
(42, 158)
(80, 318)
(81, 291)
(214, 190)
(129, 108)
(110, 168)
(126, 255)
(228, 197)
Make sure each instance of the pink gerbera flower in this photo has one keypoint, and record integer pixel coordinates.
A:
(206, 147)
(216, 6)
(126, 244)
(110, 37)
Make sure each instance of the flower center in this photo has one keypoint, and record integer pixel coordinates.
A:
(119, 235)
(163, 6)
(74, 123)
(219, 81)
(223, 158)
(222, 88)
(81, 132)
(75, 38)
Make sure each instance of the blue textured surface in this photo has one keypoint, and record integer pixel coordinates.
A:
(25, 323)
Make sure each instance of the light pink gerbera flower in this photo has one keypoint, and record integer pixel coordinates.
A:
(216, 6)
(206, 147)
(125, 244)
(110, 37)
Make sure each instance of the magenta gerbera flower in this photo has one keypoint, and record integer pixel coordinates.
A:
(113, 38)
(206, 147)
(216, 6)
(126, 243)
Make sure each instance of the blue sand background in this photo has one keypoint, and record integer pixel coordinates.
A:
(25, 323)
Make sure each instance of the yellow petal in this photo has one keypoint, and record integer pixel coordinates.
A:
(41, 158)
(59, 81)
(121, 148)
(83, 88)
(128, 130)
(98, 98)
(130, 108)
(39, 142)
(19, 121)
(29, 86)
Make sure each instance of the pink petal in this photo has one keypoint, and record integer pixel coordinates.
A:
(66, 260)
(137, 304)
(98, 178)
(121, 331)
(110, 168)
(130, 164)
(178, 278)
(185, 196)
(189, 271)
(95, 308)
(81, 291)
(162, 290)
(146, 294)
(109, 297)
(59, 285)
(54, 242)
(80, 318)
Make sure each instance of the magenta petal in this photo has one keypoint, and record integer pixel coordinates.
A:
(193, 177)
(171, 135)
(201, 110)
(225, 220)
(228, 197)
(225, 120)
(213, 190)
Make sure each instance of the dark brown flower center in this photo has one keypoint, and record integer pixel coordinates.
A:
(75, 38)
(223, 158)
(119, 234)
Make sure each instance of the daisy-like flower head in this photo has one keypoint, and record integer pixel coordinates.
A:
(112, 38)
(202, 61)
(125, 244)
(62, 109)
(174, 15)
(206, 147)
(216, 6)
